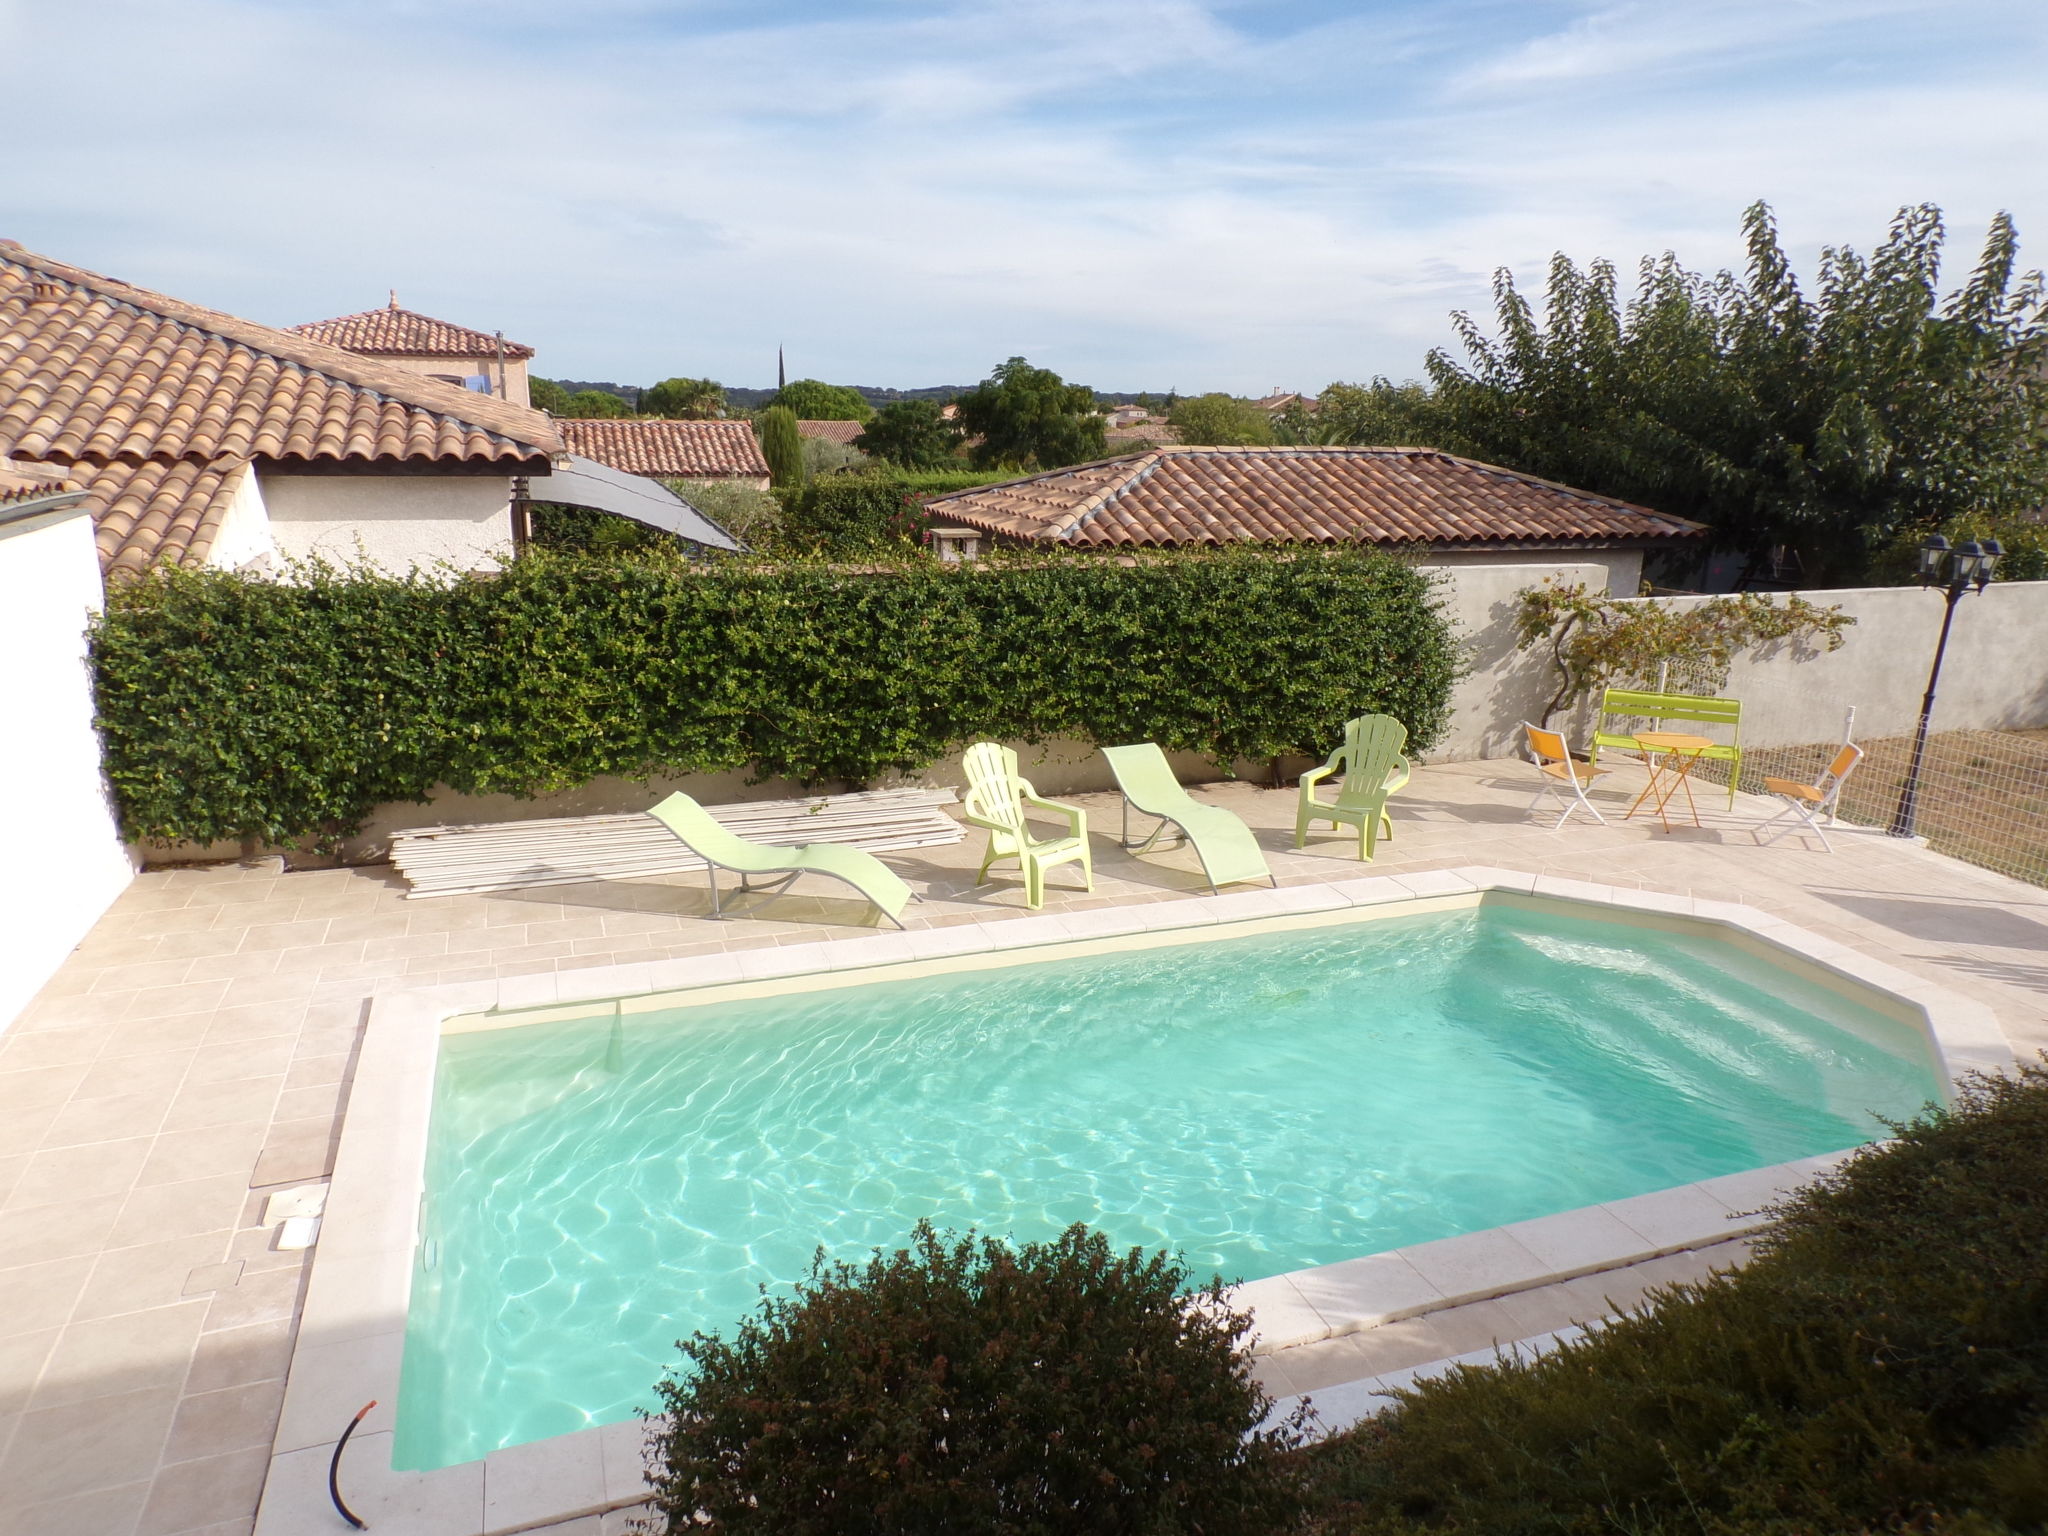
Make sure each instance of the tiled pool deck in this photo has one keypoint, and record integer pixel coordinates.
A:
(193, 1055)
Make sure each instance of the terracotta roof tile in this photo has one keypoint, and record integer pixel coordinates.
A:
(700, 449)
(396, 332)
(155, 405)
(832, 431)
(1176, 495)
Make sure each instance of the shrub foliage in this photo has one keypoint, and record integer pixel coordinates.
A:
(234, 707)
(960, 1385)
(1881, 1365)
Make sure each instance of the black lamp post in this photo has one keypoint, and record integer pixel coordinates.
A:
(1968, 567)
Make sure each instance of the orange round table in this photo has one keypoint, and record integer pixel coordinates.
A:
(1681, 753)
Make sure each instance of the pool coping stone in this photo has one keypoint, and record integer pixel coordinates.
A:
(352, 1324)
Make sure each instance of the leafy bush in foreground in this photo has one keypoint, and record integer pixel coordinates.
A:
(966, 1387)
(1882, 1365)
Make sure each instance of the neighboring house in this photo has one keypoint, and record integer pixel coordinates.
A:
(668, 450)
(1126, 432)
(202, 439)
(433, 349)
(1126, 415)
(840, 432)
(1460, 511)
(1280, 399)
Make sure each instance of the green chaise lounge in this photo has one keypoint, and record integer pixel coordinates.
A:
(1225, 845)
(722, 849)
(1373, 769)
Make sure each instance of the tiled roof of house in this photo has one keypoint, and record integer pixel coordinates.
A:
(1303, 495)
(832, 431)
(155, 405)
(402, 333)
(686, 449)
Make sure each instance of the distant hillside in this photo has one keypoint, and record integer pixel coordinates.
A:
(753, 399)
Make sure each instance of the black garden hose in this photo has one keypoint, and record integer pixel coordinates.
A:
(334, 1466)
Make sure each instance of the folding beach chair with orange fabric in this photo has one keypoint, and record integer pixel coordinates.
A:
(1805, 802)
(1564, 779)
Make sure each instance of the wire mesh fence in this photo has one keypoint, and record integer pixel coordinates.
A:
(1983, 794)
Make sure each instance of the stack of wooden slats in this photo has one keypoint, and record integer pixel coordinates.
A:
(512, 855)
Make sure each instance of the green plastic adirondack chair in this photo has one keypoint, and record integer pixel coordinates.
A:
(722, 848)
(1223, 843)
(1373, 769)
(996, 797)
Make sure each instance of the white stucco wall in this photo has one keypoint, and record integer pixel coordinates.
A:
(244, 539)
(394, 521)
(65, 860)
(1621, 570)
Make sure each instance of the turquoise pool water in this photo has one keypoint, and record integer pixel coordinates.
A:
(597, 1189)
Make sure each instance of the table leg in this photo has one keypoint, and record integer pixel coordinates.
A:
(1650, 788)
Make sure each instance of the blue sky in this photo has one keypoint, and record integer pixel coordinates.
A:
(1147, 194)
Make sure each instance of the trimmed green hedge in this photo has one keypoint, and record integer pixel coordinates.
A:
(1881, 1365)
(233, 707)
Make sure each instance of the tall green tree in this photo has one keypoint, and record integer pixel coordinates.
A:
(1220, 421)
(782, 446)
(912, 433)
(547, 395)
(813, 400)
(684, 400)
(595, 402)
(1827, 422)
(1031, 418)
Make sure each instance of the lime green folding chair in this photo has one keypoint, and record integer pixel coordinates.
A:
(996, 797)
(1225, 845)
(721, 848)
(1373, 769)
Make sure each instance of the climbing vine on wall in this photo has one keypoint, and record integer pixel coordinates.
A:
(1597, 641)
(285, 711)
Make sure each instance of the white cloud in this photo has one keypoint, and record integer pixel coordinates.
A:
(1139, 195)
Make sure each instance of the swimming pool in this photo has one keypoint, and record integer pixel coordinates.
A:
(598, 1186)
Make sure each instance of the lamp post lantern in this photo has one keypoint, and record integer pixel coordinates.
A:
(1967, 567)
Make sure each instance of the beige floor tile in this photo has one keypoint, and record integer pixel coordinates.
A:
(243, 1101)
(253, 1021)
(116, 1118)
(147, 1275)
(31, 1050)
(239, 1060)
(79, 1173)
(235, 1357)
(64, 1229)
(154, 1072)
(239, 1418)
(21, 1366)
(189, 1208)
(104, 1442)
(178, 1156)
(130, 1353)
(38, 1296)
(237, 965)
(42, 1085)
(187, 1494)
(188, 997)
(317, 1071)
(259, 1298)
(103, 1512)
(151, 1037)
(21, 1132)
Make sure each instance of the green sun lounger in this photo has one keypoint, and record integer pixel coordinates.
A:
(723, 849)
(1225, 845)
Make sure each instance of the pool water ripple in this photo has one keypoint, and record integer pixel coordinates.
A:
(598, 1188)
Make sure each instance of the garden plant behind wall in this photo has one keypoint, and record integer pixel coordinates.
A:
(284, 712)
